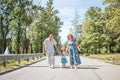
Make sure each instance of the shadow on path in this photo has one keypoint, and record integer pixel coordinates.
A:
(68, 67)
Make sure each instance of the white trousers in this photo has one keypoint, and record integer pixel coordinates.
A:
(50, 58)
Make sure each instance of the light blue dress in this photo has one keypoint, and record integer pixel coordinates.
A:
(73, 53)
(63, 58)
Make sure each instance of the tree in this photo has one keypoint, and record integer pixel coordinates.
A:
(75, 22)
(24, 25)
(6, 8)
(112, 25)
(19, 23)
(46, 23)
(101, 31)
(94, 37)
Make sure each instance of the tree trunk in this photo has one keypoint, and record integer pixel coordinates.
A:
(31, 48)
(18, 39)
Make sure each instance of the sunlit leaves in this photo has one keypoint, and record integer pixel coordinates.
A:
(101, 29)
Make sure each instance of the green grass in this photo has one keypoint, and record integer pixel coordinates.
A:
(14, 63)
(109, 58)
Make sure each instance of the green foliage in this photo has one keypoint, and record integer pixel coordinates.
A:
(26, 25)
(101, 29)
(113, 3)
(47, 23)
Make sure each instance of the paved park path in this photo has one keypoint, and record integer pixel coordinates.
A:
(90, 69)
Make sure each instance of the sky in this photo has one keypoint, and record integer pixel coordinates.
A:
(67, 10)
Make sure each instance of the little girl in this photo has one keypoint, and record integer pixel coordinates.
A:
(63, 57)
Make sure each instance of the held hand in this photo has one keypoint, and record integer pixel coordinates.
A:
(66, 52)
(57, 51)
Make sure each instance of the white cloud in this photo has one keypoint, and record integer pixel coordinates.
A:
(65, 3)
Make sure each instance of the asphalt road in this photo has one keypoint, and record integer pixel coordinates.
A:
(90, 69)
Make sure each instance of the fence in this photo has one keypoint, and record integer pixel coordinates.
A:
(18, 57)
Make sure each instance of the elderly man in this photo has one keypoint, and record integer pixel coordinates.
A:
(48, 49)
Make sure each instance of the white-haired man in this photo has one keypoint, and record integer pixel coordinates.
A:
(48, 49)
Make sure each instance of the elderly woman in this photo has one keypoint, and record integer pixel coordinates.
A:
(73, 48)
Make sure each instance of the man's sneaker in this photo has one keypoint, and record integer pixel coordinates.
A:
(52, 66)
(71, 67)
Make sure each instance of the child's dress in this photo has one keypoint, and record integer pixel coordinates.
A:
(63, 58)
